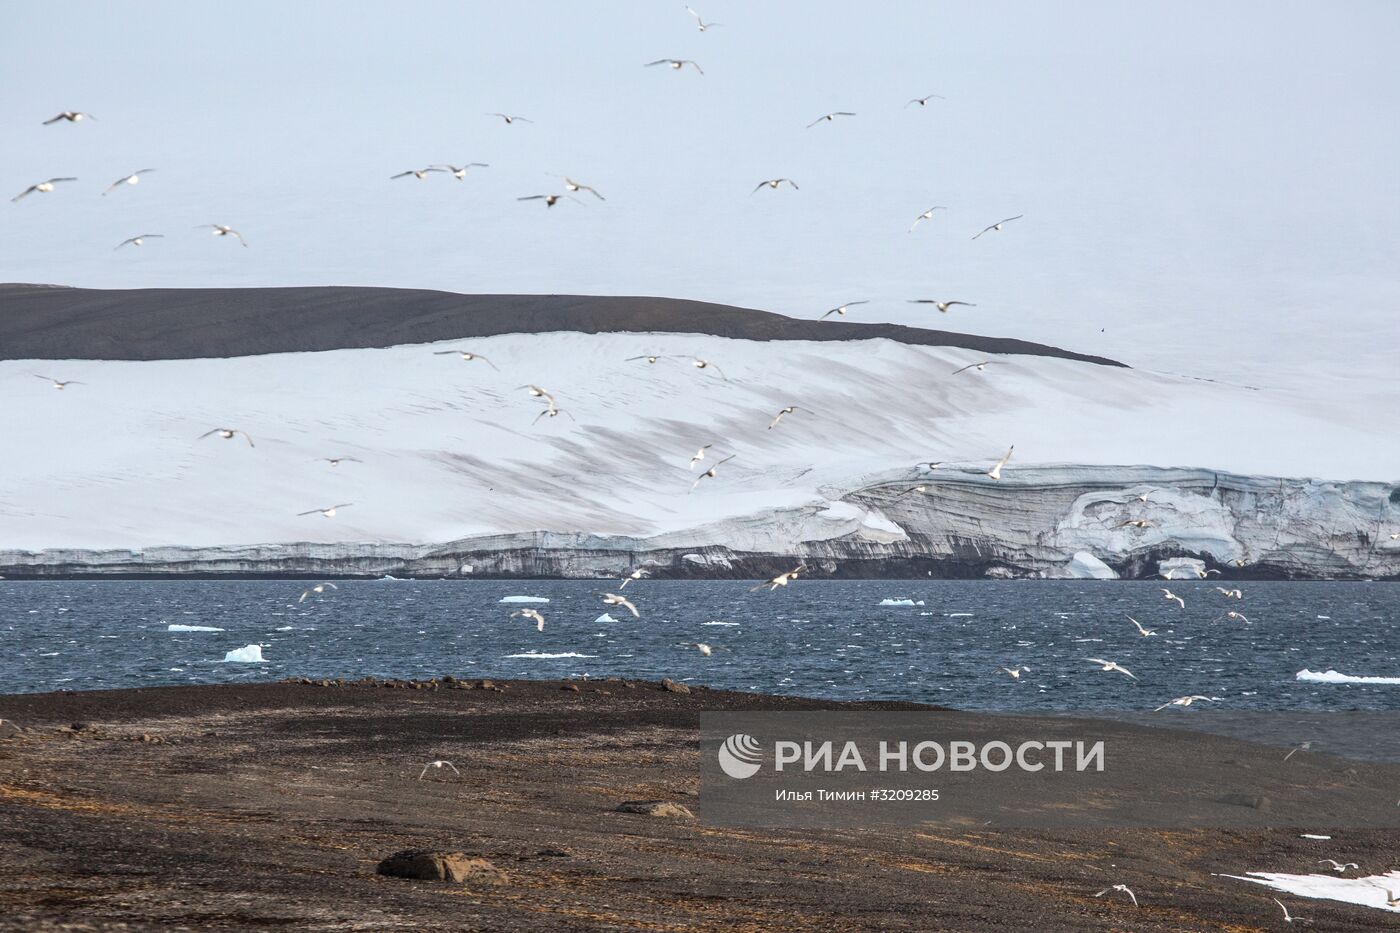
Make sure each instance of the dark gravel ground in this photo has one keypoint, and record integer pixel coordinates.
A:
(268, 806)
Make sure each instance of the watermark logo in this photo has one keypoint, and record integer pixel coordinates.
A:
(740, 756)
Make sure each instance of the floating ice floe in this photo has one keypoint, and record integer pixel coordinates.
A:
(548, 655)
(248, 654)
(605, 617)
(1335, 677)
(177, 627)
(719, 623)
(1365, 892)
(900, 602)
(524, 599)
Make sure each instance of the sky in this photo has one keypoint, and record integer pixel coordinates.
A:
(1208, 189)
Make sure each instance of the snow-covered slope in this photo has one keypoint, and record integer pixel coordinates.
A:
(452, 452)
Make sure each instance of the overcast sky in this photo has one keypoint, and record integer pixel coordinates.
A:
(1215, 186)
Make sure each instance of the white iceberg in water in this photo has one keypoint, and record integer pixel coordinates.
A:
(605, 617)
(176, 627)
(1336, 677)
(248, 654)
(547, 655)
(524, 599)
(900, 602)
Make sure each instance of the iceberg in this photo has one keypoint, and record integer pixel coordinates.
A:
(605, 617)
(898, 602)
(176, 627)
(248, 654)
(524, 599)
(1336, 677)
(550, 656)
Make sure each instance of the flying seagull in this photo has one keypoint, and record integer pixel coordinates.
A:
(1119, 887)
(575, 186)
(221, 230)
(774, 183)
(650, 358)
(980, 367)
(537, 392)
(533, 615)
(1287, 917)
(1014, 672)
(139, 240)
(699, 455)
(634, 575)
(830, 117)
(466, 355)
(1338, 867)
(711, 471)
(782, 579)
(132, 179)
(995, 472)
(1172, 597)
(676, 63)
(1233, 617)
(1185, 701)
(57, 383)
(698, 363)
(72, 116)
(926, 215)
(1230, 594)
(840, 310)
(997, 226)
(1136, 523)
(509, 118)
(43, 187)
(701, 647)
(337, 461)
(923, 101)
(438, 766)
(549, 199)
(781, 414)
(1305, 746)
(419, 173)
(318, 589)
(457, 172)
(326, 513)
(1111, 666)
(940, 305)
(227, 434)
(552, 411)
(1144, 632)
(700, 22)
(612, 599)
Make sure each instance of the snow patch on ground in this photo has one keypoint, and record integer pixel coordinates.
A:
(1365, 892)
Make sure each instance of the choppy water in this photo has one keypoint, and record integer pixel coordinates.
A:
(817, 638)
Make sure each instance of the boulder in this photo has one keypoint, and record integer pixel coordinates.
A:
(1253, 801)
(9, 729)
(434, 865)
(655, 808)
(671, 685)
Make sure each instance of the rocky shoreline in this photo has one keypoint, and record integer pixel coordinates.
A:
(542, 805)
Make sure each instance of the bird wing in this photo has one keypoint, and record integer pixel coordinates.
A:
(965, 368)
(659, 61)
(24, 193)
(53, 119)
(400, 175)
(533, 197)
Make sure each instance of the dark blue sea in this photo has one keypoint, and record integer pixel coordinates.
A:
(829, 639)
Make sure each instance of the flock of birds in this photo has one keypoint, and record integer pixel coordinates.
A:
(704, 457)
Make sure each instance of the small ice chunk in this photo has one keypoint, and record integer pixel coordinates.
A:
(605, 617)
(177, 627)
(524, 599)
(898, 602)
(248, 654)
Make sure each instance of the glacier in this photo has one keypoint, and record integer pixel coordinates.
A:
(457, 478)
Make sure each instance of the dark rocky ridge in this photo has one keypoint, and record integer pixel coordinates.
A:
(54, 322)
